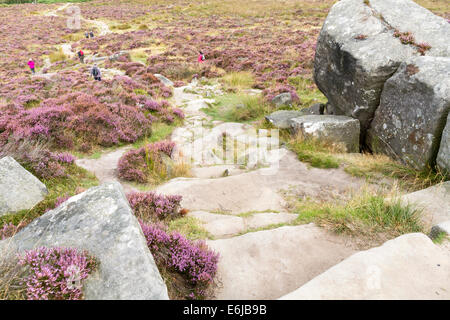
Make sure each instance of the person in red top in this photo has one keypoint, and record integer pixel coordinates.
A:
(81, 56)
(31, 65)
(201, 57)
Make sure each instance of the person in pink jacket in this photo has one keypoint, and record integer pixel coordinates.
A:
(201, 57)
(31, 65)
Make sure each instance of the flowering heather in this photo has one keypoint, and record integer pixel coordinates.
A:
(8, 230)
(178, 112)
(151, 206)
(56, 273)
(175, 254)
(140, 164)
(36, 156)
(271, 93)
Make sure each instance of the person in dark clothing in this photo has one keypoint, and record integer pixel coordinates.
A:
(86, 34)
(91, 34)
(95, 72)
(81, 56)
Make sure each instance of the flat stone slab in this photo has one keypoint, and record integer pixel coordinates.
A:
(260, 190)
(280, 119)
(220, 225)
(100, 221)
(434, 203)
(338, 130)
(408, 267)
(217, 171)
(225, 225)
(264, 219)
(268, 264)
(19, 189)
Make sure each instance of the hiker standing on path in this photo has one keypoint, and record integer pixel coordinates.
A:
(86, 34)
(31, 65)
(201, 57)
(81, 56)
(95, 72)
(91, 34)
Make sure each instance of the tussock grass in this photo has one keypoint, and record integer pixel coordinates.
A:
(372, 167)
(160, 131)
(440, 238)
(365, 215)
(57, 56)
(238, 108)
(239, 80)
(375, 166)
(190, 227)
(307, 91)
(317, 153)
(12, 278)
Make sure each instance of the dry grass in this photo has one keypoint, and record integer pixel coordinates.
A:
(11, 277)
(366, 215)
(318, 154)
(57, 56)
(239, 80)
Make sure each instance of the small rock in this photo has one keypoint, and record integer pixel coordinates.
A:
(317, 109)
(19, 189)
(338, 130)
(164, 80)
(283, 99)
(443, 227)
(280, 119)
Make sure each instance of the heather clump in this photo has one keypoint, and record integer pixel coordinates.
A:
(8, 230)
(36, 156)
(56, 273)
(149, 206)
(272, 92)
(188, 267)
(150, 163)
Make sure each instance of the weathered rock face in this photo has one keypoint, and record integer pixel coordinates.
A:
(357, 51)
(283, 99)
(19, 189)
(339, 130)
(443, 157)
(413, 111)
(408, 267)
(100, 221)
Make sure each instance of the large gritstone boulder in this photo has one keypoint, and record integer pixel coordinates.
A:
(336, 130)
(408, 267)
(359, 49)
(413, 111)
(443, 158)
(100, 221)
(19, 189)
